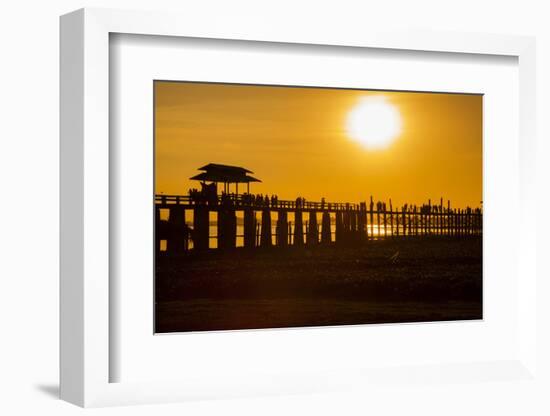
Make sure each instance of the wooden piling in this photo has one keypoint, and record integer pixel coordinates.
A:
(157, 229)
(429, 219)
(201, 227)
(249, 228)
(339, 227)
(282, 229)
(456, 222)
(298, 228)
(177, 241)
(326, 233)
(265, 238)
(397, 221)
(449, 219)
(378, 209)
(442, 222)
(404, 219)
(415, 220)
(421, 219)
(346, 225)
(391, 219)
(470, 222)
(353, 234)
(459, 222)
(463, 223)
(227, 228)
(362, 221)
(450, 225)
(385, 219)
(313, 229)
(371, 217)
(409, 220)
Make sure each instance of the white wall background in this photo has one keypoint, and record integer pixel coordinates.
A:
(29, 207)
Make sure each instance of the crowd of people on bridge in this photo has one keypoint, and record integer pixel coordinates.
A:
(259, 200)
(208, 195)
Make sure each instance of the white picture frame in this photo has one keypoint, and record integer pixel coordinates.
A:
(85, 221)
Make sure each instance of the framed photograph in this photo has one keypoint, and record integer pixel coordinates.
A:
(266, 211)
(304, 246)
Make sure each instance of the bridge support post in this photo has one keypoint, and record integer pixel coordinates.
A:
(298, 229)
(178, 234)
(326, 234)
(249, 228)
(362, 222)
(282, 229)
(265, 238)
(313, 230)
(353, 226)
(157, 229)
(227, 228)
(201, 227)
(346, 216)
(339, 227)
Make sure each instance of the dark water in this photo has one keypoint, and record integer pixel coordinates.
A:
(408, 280)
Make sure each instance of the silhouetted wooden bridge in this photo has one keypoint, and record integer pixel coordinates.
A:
(185, 222)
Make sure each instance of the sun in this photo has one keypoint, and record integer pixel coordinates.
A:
(374, 122)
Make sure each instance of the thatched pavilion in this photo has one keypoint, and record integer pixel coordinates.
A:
(226, 174)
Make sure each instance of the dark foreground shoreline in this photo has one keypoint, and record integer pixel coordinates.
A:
(385, 281)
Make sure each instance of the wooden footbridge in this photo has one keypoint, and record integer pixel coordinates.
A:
(189, 223)
(205, 219)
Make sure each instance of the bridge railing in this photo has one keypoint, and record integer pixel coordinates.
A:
(254, 201)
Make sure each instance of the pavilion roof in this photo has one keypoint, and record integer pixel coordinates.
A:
(224, 173)
(226, 168)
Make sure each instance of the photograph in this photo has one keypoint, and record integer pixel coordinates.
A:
(287, 206)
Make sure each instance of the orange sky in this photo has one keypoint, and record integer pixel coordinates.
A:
(295, 141)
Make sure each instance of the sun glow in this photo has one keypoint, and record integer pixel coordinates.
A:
(374, 122)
